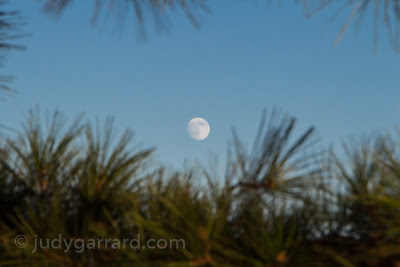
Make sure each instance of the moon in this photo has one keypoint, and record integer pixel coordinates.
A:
(198, 128)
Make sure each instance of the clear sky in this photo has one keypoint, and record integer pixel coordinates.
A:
(244, 57)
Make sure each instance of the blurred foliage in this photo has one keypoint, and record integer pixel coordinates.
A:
(10, 29)
(287, 202)
(156, 12)
(143, 11)
(386, 12)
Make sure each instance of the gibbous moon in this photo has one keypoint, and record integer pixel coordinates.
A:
(198, 128)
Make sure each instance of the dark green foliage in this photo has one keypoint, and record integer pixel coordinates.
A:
(285, 203)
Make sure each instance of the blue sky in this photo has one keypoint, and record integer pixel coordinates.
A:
(245, 57)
